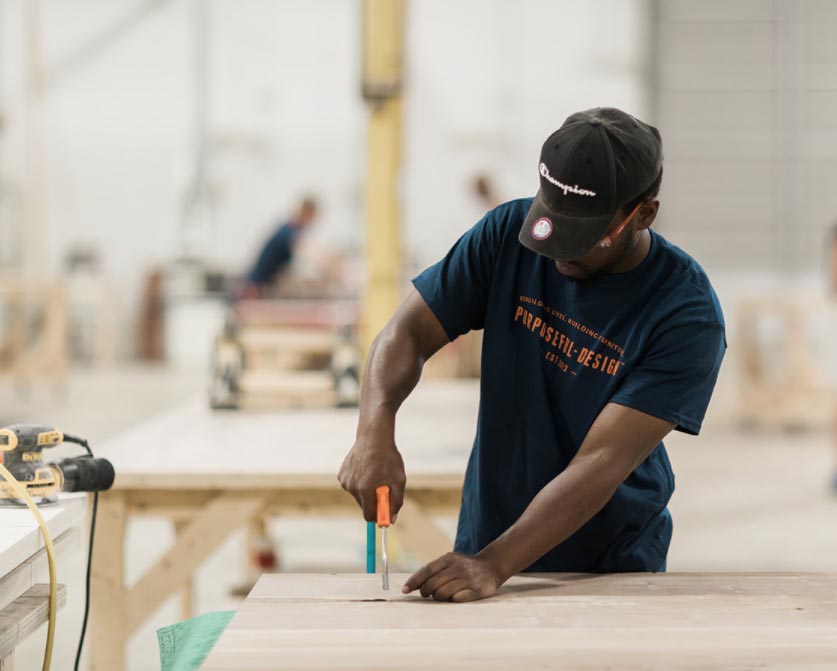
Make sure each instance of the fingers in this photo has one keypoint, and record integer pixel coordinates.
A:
(351, 493)
(446, 591)
(429, 587)
(454, 577)
(360, 476)
(369, 505)
(396, 497)
(445, 584)
(345, 480)
(424, 573)
(367, 499)
(465, 595)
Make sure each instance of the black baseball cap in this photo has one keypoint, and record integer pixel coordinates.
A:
(598, 161)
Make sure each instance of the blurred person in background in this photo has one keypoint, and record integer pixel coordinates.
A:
(278, 252)
(600, 338)
(831, 250)
(832, 261)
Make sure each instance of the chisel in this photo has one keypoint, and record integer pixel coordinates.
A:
(383, 522)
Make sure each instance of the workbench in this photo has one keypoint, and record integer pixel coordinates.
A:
(212, 473)
(24, 577)
(629, 622)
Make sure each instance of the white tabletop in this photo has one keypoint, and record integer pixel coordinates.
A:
(21, 540)
(435, 431)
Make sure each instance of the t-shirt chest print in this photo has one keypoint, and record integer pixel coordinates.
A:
(565, 342)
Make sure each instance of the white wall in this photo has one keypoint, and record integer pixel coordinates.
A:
(487, 81)
(748, 112)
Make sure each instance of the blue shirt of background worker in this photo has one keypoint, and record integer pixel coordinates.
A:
(278, 252)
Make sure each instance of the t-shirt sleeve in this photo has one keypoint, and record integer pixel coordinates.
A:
(456, 288)
(675, 377)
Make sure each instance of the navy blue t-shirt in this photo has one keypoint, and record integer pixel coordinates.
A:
(275, 255)
(555, 352)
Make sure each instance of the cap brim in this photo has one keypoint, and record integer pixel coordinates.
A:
(561, 238)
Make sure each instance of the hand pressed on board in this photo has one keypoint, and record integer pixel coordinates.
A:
(372, 462)
(456, 577)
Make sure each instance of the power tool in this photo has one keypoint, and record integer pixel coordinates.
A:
(21, 451)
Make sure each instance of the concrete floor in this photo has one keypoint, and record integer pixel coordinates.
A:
(744, 502)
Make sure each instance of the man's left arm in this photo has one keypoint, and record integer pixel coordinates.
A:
(619, 440)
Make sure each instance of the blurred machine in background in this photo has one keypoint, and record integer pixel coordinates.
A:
(188, 311)
(91, 306)
(287, 353)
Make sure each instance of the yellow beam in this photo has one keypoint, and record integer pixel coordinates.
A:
(34, 247)
(382, 68)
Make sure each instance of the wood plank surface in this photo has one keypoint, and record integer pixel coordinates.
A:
(36, 568)
(323, 313)
(28, 612)
(629, 622)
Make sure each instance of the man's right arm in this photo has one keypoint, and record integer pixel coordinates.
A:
(393, 369)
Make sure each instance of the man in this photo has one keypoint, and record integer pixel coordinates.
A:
(600, 337)
(278, 252)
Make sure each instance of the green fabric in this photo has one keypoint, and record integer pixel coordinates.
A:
(184, 646)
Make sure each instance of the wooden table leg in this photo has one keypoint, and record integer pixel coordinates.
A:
(108, 618)
(417, 532)
(187, 595)
(201, 536)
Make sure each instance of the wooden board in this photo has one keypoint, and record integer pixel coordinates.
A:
(629, 622)
(309, 313)
(36, 568)
(28, 612)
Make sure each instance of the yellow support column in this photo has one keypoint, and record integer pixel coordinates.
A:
(383, 26)
(34, 229)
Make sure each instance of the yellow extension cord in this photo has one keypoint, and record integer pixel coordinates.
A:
(22, 494)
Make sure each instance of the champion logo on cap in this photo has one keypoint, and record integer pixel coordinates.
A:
(566, 188)
(542, 229)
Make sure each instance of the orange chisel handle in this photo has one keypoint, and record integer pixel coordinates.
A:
(383, 505)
